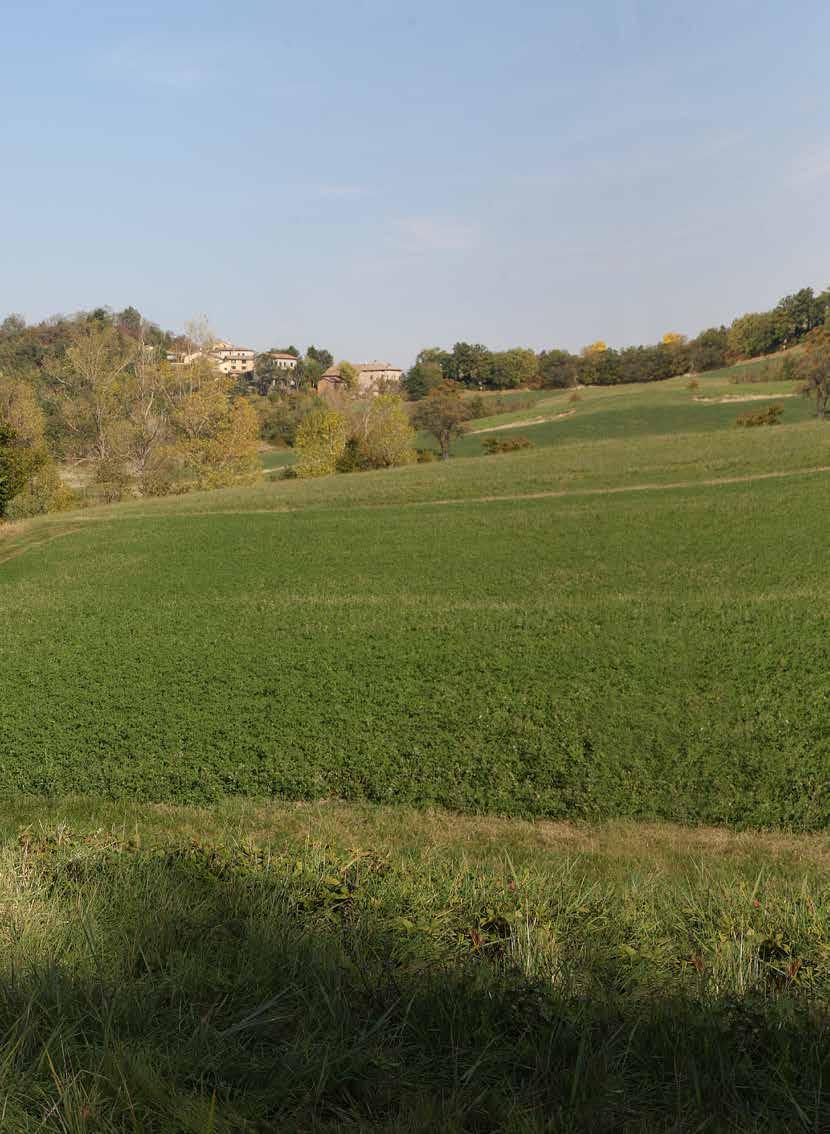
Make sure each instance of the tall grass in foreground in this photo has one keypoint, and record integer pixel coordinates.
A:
(158, 984)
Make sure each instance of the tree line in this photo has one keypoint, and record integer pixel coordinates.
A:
(97, 390)
(102, 390)
(473, 365)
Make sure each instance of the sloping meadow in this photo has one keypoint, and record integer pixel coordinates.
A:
(660, 654)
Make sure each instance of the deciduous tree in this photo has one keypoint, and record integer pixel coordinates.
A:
(421, 378)
(321, 440)
(92, 382)
(814, 369)
(348, 375)
(708, 350)
(381, 434)
(510, 369)
(23, 450)
(443, 413)
(468, 364)
(558, 369)
(754, 334)
(324, 357)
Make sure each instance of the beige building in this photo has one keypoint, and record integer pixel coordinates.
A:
(232, 359)
(372, 378)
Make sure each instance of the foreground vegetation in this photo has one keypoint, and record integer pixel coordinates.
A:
(264, 968)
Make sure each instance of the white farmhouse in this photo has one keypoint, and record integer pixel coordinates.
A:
(282, 360)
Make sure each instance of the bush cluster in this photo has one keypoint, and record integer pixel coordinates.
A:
(770, 415)
(493, 445)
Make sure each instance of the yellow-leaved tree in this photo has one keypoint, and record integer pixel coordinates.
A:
(599, 347)
(215, 439)
(146, 425)
(321, 441)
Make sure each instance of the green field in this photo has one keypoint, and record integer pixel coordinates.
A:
(342, 805)
(559, 642)
(275, 460)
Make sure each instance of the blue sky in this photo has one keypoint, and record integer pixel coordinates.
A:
(377, 177)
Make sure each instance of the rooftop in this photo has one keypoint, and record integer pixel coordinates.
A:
(362, 368)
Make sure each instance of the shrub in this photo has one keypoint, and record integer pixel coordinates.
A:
(478, 407)
(575, 396)
(45, 492)
(354, 458)
(770, 415)
(789, 369)
(494, 445)
(114, 479)
(156, 483)
(757, 372)
(424, 456)
(693, 384)
(283, 414)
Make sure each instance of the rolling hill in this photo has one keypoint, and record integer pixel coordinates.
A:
(624, 621)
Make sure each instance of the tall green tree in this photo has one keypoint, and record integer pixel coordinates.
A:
(599, 365)
(468, 364)
(421, 378)
(754, 334)
(708, 350)
(798, 314)
(558, 369)
(316, 354)
(509, 369)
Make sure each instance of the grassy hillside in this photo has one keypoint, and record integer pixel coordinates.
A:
(591, 629)
(651, 409)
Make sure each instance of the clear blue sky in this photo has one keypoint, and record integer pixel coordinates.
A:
(379, 176)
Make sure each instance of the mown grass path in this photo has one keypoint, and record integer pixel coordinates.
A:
(78, 520)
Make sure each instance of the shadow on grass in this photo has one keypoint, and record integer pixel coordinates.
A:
(185, 992)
